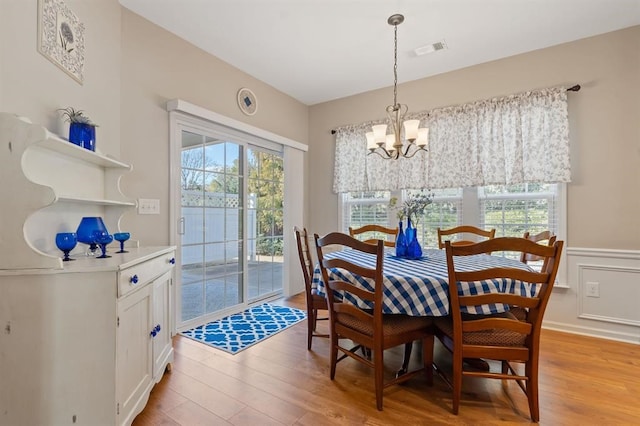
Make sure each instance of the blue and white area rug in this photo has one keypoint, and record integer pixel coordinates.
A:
(240, 331)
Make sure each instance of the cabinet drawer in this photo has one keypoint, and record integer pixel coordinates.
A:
(139, 275)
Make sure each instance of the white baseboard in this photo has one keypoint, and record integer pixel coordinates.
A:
(592, 332)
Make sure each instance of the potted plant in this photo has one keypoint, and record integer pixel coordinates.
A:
(82, 131)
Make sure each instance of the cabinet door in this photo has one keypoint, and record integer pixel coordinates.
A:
(133, 360)
(162, 345)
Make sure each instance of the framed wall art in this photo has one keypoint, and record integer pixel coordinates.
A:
(61, 37)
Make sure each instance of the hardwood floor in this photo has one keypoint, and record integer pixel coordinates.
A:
(583, 381)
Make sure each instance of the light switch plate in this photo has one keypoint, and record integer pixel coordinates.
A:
(148, 206)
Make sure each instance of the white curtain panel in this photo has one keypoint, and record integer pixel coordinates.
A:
(514, 139)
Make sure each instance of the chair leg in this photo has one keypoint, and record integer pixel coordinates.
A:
(531, 370)
(457, 380)
(334, 355)
(366, 352)
(311, 325)
(408, 347)
(427, 357)
(378, 367)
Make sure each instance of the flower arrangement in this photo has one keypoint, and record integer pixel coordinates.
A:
(413, 207)
(72, 115)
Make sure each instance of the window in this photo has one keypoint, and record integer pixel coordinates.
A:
(444, 212)
(363, 208)
(511, 210)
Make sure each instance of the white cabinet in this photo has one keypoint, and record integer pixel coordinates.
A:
(133, 361)
(72, 350)
(82, 342)
(144, 348)
(162, 319)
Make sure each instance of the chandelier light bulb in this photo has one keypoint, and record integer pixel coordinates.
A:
(380, 134)
(411, 129)
(423, 137)
(371, 141)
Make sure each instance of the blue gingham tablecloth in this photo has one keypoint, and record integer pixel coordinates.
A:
(420, 287)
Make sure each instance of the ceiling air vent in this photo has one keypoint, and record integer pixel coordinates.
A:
(429, 48)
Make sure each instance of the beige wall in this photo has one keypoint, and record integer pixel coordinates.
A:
(603, 201)
(158, 66)
(32, 86)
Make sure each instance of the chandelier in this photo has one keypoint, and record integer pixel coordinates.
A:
(391, 146)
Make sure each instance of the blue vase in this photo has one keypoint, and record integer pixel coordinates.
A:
(414, 251)
(83, 134)
(86, 232)
(409, 232)
(401, 242)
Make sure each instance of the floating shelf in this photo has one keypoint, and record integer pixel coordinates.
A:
(57, 144)
(78, 200)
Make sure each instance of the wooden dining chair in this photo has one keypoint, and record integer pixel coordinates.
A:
(368, 327)
(373, 233)
(500, 336)
(537, 238)
(464, 229)
(315, 302)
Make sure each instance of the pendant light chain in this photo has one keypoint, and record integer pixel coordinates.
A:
(395, 67)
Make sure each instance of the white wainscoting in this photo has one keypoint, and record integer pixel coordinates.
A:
(615, 312)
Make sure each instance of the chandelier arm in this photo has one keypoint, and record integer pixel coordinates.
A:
(375, 151)
(387, 155)
(406, 151)
(418, 149)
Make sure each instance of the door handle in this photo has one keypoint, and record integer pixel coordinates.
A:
(181, 226)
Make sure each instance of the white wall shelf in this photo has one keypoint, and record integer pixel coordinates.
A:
(92, 201)
(57, 144)
(40, 171)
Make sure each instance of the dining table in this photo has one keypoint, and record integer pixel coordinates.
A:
(420, 287)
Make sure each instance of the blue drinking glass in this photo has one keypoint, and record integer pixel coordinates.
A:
(66, 241)
(103, 238)
(121, 237)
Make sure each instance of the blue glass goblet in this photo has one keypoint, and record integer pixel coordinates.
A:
(122, 237)
(103, 238)
(66, 241)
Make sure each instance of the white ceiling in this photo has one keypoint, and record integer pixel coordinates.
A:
(319, 50)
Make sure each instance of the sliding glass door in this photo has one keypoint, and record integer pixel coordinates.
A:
(265, 223)
(229, 223)
(212, 266)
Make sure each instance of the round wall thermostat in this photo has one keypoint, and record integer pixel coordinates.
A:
(247, 101)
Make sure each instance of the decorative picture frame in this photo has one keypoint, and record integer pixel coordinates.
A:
(61, 37)
(247, 101)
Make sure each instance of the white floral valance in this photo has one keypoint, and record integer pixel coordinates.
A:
(513, 139)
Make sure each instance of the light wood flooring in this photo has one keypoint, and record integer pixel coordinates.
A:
(583, 381)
